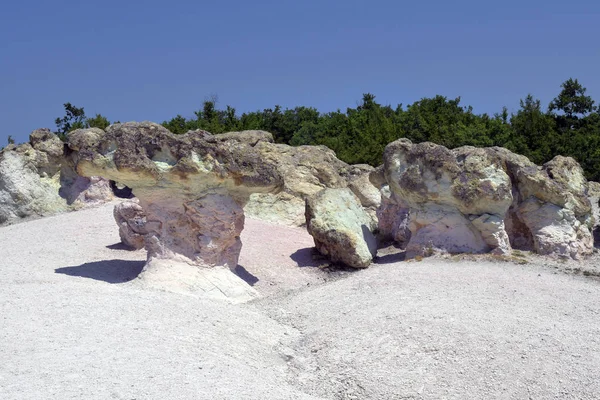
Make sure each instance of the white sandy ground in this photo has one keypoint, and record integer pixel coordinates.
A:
(76, 324)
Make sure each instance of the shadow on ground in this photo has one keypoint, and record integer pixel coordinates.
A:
(390, 258)
(111, 271)
(308, 257)
(120, 246)
(245, 275)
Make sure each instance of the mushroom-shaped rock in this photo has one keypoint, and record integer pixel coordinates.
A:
(487, 199)
(340, 227)
(191, 188)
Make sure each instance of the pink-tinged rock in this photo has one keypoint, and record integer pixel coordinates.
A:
(191, 190)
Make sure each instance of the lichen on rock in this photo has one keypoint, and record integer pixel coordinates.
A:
(306, 170)
(477, 200)
(191, 190)
(340, 227)
(35, 180)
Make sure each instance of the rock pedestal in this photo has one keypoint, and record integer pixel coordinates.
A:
(191, 190)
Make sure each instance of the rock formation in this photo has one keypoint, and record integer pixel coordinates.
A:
(306, 170)
(131, 220)
(35, 180)
(593, 191)
(192, 189)
(340, 227)
(477, 200)
(392, 219)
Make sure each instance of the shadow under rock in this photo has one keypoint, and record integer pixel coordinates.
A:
(111, 271)
(308, 257)
(390, 258)
(120, 246)
(596, 235)
(245, 275)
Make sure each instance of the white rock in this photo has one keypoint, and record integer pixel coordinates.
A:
(23, 192)
(340, 227)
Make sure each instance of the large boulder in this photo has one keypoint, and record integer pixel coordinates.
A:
(191, 188)
(306, 170)
(23, 191)
(340, 227)
(36, 180)
(476, 200)
(552, 206)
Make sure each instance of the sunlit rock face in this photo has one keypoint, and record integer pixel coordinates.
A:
(477, 200)
(306, 170)
(131, 220)
(36, 180)
(191, 188)
(340, 227)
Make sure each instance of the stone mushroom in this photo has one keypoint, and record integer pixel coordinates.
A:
(192, 189)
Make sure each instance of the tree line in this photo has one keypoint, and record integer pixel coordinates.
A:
(569, 126)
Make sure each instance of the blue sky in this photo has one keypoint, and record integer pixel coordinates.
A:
(150, 60)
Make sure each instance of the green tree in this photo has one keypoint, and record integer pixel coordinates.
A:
(576, 128)
(99, 121)
(177, 125)
(74, 119)
(11, 140)
(535, 131)
(584, 145)
(444, 122)
(572, 100)
(359, 135)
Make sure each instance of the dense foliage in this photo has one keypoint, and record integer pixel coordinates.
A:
(569, 126)
(75, 118)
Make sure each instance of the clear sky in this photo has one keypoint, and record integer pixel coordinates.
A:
(150, 60)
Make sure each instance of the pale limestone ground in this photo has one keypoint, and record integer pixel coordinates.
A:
(74, 323)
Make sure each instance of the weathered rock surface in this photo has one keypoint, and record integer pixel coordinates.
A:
(131, 220)
(340, 227)
(593, 190)
(369, 196)
(305, 171)
(477, 200)
(191, 190)
(23, 192)
(80, 192)
(392, 219)
(35, 180)
(49, 151)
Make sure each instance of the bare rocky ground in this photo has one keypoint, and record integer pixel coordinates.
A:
(76, 324)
